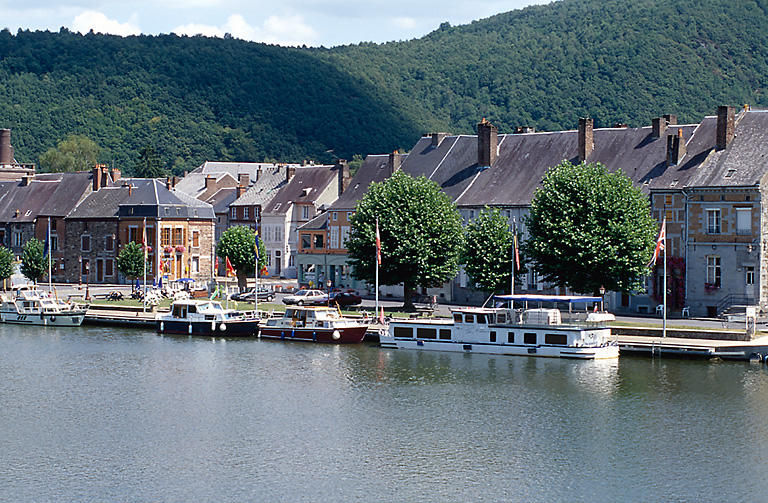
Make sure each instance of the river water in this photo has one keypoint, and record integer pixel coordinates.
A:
(101, 414)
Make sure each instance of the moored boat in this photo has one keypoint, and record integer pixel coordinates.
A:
(314, 324)
(508, 331)
(207, 318)
(29, 306)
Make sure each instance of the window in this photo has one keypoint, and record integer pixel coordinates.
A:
(109, 267)
(85, 243)
(233, 213)
(749, 275)
(426, 333)
(403, 332)
(54, 243)
(456, 317)
(556, 339)
(469, 318)
(445, 334)
(245, 212)
(306, 241)
(511, 337)
(165, 237)
(344, 235)
(743, 220)
(668, 200)
(53, 224)
(196, 239)
(492, 337)
(335, 215)
(178, 236)
(319, 241)
(481, 318)
(291, 261)
(529, 338)
(16, 238)
(334, 237)
(2, 236)
(195, 265)
(713, 270)
(713, 221)
(85, 267)
(305, 212)
(133, 234)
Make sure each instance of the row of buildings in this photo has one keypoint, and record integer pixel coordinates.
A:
(706, 178)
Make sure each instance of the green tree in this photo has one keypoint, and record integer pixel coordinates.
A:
(489, 251)
(130, 260)
(75, 153)
(148, 164)
(421, 234)
(590, 228)
(6, 263)
(237, 243)
(33, 263)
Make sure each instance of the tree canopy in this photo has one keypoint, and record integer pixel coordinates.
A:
(148, 164)
(589, 228)
(420, 229)
(75, 153)
(33, 263)
(130, 260)
(238, 243)
(6, 263)
(489, 251)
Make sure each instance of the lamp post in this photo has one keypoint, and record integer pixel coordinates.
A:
(602, 295)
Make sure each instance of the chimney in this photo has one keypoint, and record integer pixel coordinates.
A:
(394, 162)
(96, 175)
(168, 183)
(26, 180)
(244, 179)
(438, 138)
(104, 176)
(6, 150)
(210, 182)
(487, 143)
(343, 175)
(289, 172)
(130, 189)
(586, 138)
(658, 127)
(671, 119)
(258, 174)
(240, 190)
(675, 148)
(525, 129)
(115, 175)
(174, 181)
(725, 126)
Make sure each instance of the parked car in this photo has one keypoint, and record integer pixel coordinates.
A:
(247, 296)
(306, 298)
(343, 299)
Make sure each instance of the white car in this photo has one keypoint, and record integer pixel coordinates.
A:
(306, 297)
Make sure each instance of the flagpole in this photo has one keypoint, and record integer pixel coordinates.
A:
(144, 242)
(378, 254)
(664, 323)
(514, 251)
(256, 274)
(50, 253)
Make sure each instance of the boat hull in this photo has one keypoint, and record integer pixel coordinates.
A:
(73, 319)
(607, 351)
(232, 328)
(344, 335)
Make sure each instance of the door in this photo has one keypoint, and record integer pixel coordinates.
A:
(278, 262)
(100, 270)
(178, 267)
(749, 283)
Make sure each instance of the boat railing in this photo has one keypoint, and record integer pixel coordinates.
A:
(553, 317)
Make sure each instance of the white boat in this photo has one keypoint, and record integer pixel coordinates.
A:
(29, 306)
(206, 317)
(507, 331)
(314, 324)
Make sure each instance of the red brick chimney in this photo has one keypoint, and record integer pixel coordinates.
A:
(104, 177)
(394, 162)
(586, 138)
(244, 179)
(210, 182)
(96, 175)
(289, 172)
(115, 175)
(343, 175)
(487, 143)
(726, 124)
(675, 148)
(6, 150)
(26, 180)
(437, 139)
(240, 190)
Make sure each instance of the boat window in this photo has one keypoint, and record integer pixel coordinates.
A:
(192, 309)
(558, 339)
(445, 334)
(290, 313)
(426, 333)
(457, 317)
(529, 338)
(493, 336)
(404, 332)
(469, 318)
(481, 318)
(501, 318)
(511, 337)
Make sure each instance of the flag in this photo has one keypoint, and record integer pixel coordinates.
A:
(517, 253)
(256, 250)
(230, 269)
(47, 239)
(144, 238)
(661, 242)
(378, 243)
(216, 265)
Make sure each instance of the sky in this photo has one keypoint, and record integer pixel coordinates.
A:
(285, 22)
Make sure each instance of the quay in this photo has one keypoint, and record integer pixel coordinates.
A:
(119, 316)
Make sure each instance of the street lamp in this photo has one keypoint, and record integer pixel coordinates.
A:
(602, 294)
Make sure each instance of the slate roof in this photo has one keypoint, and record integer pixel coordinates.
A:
(222, 199)
(319, 223)
(744, 162)
(375, 168)
(194, 183)
(234, 168)
(304, 187)
(263, 189)
(53, 194)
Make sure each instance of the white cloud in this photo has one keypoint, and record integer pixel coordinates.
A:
(100, 23)
(281, 30)
(404, 23)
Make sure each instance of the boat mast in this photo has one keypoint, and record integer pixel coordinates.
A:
(50, 252)
(664, 233)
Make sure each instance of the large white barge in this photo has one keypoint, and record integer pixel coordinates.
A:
(505, 330)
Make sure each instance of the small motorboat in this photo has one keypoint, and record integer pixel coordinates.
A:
(314, 324)
(208, 318)
(27, 305)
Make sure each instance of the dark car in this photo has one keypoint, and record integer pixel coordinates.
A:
(247, 296)
(344, 299)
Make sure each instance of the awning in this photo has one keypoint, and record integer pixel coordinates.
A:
(570, 299)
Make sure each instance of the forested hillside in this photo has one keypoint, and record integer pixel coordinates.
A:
(195, 99)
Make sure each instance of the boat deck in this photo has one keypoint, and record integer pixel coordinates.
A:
(701, 348)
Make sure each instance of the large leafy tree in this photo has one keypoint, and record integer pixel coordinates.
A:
(74, 153)
(33, 262)
(130, 260)
(238, 243)
(590, 228)
(148, 165)
(489, 252)
(6, 263)
(421, 234)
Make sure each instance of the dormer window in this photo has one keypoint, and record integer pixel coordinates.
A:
(729, 173)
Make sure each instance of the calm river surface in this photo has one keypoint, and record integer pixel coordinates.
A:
(101, 414)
